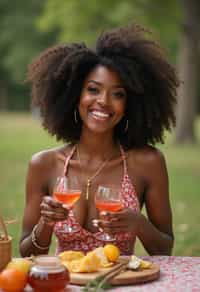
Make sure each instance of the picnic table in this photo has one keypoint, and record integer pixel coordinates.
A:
(177, 274)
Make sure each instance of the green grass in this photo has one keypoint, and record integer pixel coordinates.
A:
(21, 136)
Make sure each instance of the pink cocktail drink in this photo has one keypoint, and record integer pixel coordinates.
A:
(69, 198)
(110, 206)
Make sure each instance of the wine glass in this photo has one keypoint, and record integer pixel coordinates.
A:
(66, 191)
(107, 199)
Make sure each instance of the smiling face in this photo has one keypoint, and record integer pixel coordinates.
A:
(102, 101)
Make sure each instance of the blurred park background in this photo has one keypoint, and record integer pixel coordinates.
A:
(28, 27)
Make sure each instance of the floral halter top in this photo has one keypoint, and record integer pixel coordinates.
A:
(84, 240)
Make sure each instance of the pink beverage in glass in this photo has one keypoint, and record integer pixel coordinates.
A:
(69, 198)
(108, 199)
(66, 190)
(110, 206)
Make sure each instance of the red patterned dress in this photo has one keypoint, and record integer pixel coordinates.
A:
(84, 240)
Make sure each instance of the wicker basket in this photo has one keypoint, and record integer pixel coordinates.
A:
(5, 245)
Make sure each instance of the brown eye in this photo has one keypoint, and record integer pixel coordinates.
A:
(92, 89)
(119, 94)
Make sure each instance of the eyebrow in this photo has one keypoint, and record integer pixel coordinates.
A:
(99, 83)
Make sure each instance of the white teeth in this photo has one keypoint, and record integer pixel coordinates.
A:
(100, 114)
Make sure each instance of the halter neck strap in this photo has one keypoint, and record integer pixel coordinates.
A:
(65, 170)
(124, 159)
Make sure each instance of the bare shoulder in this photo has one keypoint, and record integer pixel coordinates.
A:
(149, 159)
(49, 157)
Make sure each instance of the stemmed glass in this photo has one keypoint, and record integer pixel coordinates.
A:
(67, 192)
(107, 199)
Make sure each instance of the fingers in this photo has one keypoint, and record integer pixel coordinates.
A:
(110, 226)
(51, 202)
(96, 223)
(57, 216)
(114, 222)
(51, 210)
(113, 216)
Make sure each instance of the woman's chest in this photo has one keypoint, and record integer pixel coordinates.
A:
(113, 174)
(130, 187)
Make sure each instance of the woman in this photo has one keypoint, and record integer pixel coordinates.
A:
(110, 105)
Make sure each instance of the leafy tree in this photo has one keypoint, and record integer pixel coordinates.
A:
(84, 20)
(20, 41)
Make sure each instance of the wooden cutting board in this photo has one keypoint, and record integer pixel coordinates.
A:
(124, 278)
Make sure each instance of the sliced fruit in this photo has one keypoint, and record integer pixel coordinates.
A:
(72, 266)
(100, 253)
(112, 252)
(70, 255)
(87, 264)
(145, 264)
(21, 264)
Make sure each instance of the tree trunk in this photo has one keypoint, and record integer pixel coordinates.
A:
(3, 98)
(188, 67)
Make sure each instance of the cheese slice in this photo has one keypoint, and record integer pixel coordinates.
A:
(136, 263)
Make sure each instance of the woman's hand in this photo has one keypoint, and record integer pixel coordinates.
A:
(52, 211)
(126, 221)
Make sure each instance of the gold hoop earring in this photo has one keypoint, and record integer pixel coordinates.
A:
(75, 116)
(126, 127)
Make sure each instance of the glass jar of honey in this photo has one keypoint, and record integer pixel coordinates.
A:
(48, 274)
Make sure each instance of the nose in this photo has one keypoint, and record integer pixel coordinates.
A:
(103, 99)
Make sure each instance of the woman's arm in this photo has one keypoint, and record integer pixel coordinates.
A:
(156, 232)
(41, 211)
